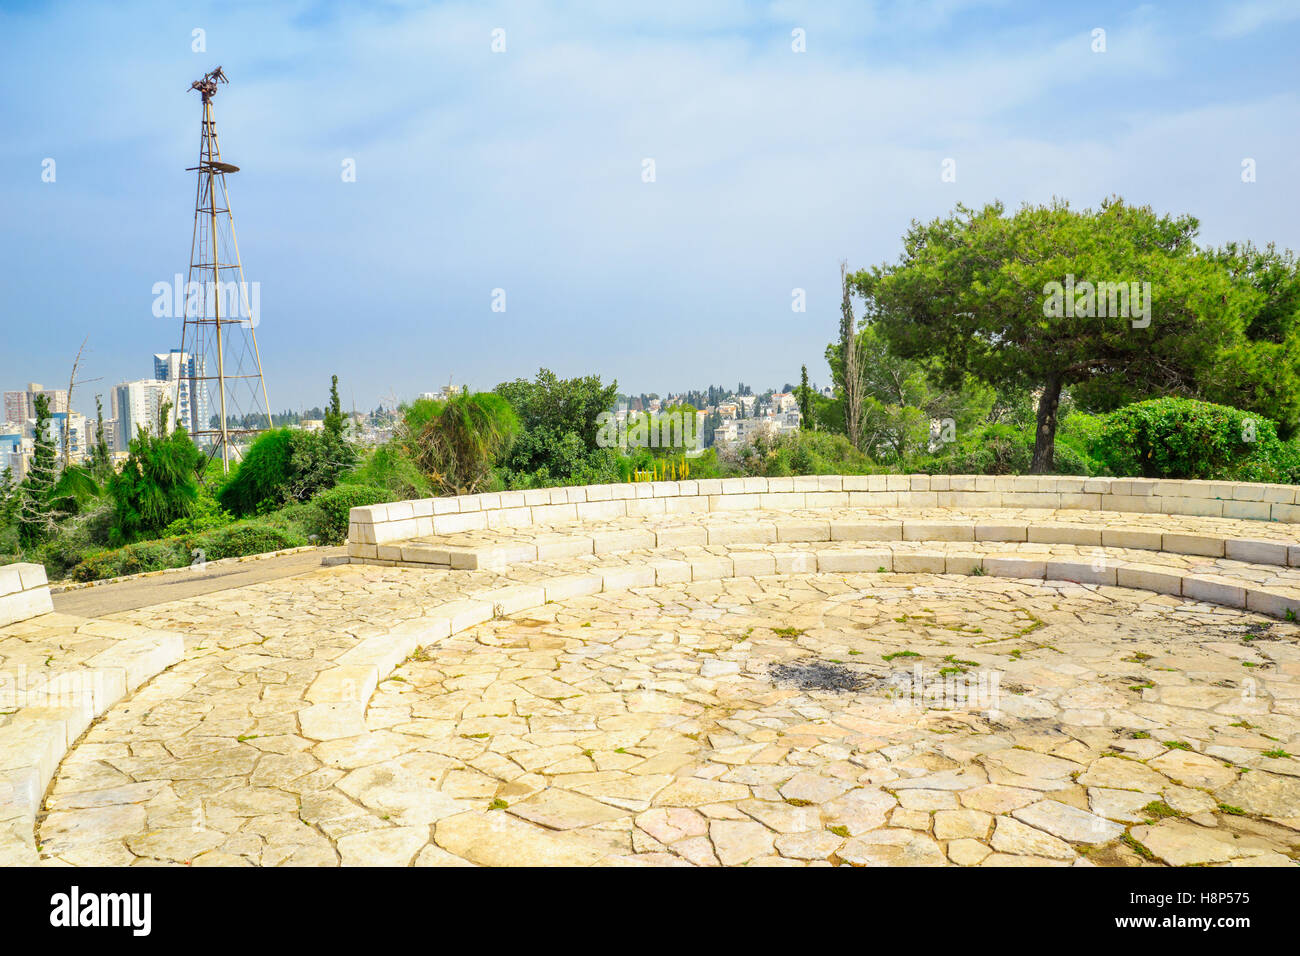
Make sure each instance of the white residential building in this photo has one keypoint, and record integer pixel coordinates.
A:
(136, 405)
(186, 392)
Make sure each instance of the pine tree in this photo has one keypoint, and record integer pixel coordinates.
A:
(334, 414)
(805, 400)
(8, 497)
(35, 517)
(101, 464)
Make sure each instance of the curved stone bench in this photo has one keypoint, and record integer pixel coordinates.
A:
(561, 544)
(50, 709)
(374, 525)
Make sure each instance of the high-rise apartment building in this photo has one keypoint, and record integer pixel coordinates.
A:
(186, 392)
(20, 406)
(136, 405)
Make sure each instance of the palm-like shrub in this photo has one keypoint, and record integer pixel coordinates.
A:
(457, 445)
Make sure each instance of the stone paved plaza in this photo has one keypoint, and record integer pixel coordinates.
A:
(727, 675)
(689, 724)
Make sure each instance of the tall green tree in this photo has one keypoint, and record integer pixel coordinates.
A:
(1014, 300)
(558, 426)
(334, 413)
(101, 462)
(805, 400)
(1261, 373)
(8, 497)
(35, 509)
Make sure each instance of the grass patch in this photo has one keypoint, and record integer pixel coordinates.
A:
(1159, 810)
(1133, 844)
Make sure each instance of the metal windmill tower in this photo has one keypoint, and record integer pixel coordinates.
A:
(219, 314)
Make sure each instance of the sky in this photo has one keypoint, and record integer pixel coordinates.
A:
(525, 170)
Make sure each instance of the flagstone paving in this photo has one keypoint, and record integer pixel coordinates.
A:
(865, 719)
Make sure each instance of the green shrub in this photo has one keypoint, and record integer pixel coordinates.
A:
(206, 515)
(246, 537)
(1183, 438)
(255, 536)
(133, 559)
(989, 450)
(458, 449)
(332, 507)
(285, 465)
(263, 475)
(1005, 450)
(799, 453)
(390, 467)
(156, 486)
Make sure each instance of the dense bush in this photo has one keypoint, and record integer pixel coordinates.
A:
(133, 559)
(156, 486)
(557, 441)
(1008, 450)
(1183, 438)
(255, 536)
(798, 453)
(331, 526)
(391, 468)
(245, 537)
(286, 465)
(263, 475)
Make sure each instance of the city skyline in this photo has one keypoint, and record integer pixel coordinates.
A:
(771, 166)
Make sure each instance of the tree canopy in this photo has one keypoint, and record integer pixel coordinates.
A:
(1117, 303)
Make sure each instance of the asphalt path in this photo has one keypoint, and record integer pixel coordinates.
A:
(159, 589)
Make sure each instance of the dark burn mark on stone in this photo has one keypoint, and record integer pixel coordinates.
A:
(822, 675)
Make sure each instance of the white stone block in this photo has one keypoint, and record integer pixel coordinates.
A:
(752, 563)
(1212, 589)
(1082, 535)
(1082, 572)
(742, 534)
(690, 536)
(1255, 551)
(866, 530)
(1150, 577)
(711, 568)
(938, 531)
(1206, 545)
(920, 562)
(854, 561)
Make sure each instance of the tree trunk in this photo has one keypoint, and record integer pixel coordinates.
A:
(1045, 436)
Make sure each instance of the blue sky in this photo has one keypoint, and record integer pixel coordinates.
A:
(522, 170)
